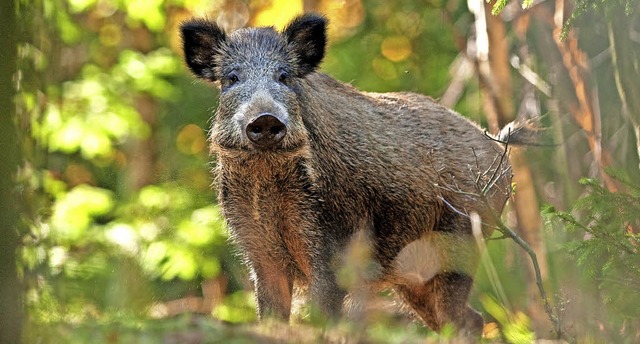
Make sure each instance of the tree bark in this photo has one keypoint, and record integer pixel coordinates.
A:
(142, 158)
(11, 307)
(576, 63)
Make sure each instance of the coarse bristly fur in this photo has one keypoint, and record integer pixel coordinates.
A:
(397, 169)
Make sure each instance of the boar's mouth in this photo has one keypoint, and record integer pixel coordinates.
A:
(287, 146)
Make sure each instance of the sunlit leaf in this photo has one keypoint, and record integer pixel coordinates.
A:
(494, 308)
(148, 231)
(124, 236)
(527, 3)
(210, 268)
(133, 64)
(95, 144)
(195, 234)
(74, 212)
(53, 186)
(70, 33)
(518, 331)
(238, 307)
(498, 7)
(80, 5)
(278, 13)
(69, 137)
(515, 327)
(212, 218)
(32, 256)
(199, 6)
(57, 258)
(163, 62)
(154, 197)
(180, 263)
(153, 257)
(149, 12)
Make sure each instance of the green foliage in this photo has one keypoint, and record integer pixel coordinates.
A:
(165, 233)
(238, 307)
(106, 97)
(598, 7)
(386, 331)
(515, 327)
(125, 328)
(103, 98)
(499, 5)
(98, 242)
(582, 7)
(400, 45)
(605, 244)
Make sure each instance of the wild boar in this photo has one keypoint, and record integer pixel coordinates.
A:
(306, 165)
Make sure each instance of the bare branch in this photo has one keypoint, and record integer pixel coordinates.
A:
(497, 173)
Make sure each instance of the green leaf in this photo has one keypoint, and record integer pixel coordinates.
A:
(74, 211)
(238, 307)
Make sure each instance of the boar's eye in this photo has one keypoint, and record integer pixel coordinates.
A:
(283, 77)
(230, 79)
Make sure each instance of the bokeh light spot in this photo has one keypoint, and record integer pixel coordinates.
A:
(396, 48)
(278, 13)
(191, 139)
(110, 35)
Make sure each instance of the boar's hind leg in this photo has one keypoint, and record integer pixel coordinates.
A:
(443, 300)
(273, 288)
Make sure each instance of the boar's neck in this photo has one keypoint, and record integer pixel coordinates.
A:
(336, 117)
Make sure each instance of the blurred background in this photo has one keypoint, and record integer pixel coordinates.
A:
(116, 230)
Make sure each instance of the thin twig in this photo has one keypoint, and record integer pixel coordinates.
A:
(507, 233)
(493, 138)
(502, 237)
(536, 267)
(494, 176)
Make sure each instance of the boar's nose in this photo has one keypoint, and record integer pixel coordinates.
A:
(266, 130)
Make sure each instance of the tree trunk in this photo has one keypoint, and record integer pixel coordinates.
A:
(584, 113)
(496, 85)
(626, 69)
(142, 153)
(11, 308)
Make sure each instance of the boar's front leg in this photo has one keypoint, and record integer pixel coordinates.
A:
(273, 288)
(325, 292)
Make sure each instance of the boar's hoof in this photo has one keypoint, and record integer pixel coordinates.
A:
(266, 130)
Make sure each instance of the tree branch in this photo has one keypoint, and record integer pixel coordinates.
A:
(497, 224)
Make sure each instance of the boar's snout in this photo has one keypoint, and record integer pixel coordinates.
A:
(266, 130)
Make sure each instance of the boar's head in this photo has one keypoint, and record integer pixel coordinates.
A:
(258, 71)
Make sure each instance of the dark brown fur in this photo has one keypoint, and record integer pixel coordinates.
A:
(398, 167)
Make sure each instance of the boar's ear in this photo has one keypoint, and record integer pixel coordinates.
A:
(201, 40)
(307, 37)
